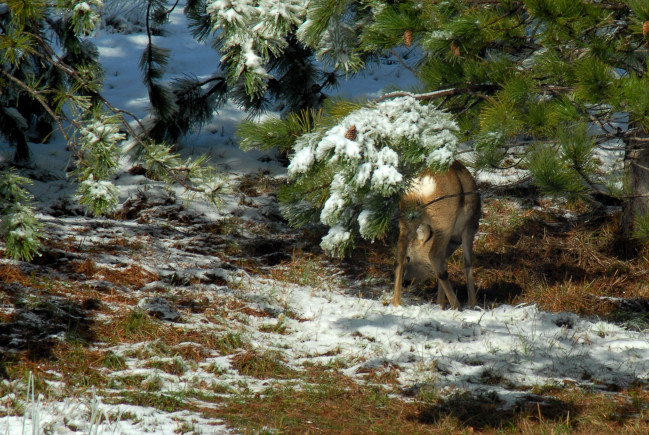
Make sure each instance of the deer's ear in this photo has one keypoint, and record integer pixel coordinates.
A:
(424, 233)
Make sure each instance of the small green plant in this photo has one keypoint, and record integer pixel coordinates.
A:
(279, 327)
(114, 361)
(176, 366)
(303, 270)
(134, 326)
(230, 342)
(262, 365)
(153, 384)
(641, 228)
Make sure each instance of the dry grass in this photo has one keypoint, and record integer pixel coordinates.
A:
(570, 410)
(133, 276)
(538, 256)
(10, 274)
(303, 269)
(332, 403)
(262, 365)
(329, 403)
(254, 185)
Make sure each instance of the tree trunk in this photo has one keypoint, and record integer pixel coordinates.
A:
(636, 166)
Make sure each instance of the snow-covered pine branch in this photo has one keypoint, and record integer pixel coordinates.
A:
(372, 154)
(250, 32)
(99, 158)
(18, 224)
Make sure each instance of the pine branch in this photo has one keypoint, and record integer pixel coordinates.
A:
(174, 175)
(37, 96)
(403, 62)
(469, 89)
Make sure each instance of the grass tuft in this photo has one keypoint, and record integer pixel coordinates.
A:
(262, 365)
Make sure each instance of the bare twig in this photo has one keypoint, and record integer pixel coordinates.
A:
(38, 97)
(403, 62)
(468, 89)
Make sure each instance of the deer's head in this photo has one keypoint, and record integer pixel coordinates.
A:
(418, 267)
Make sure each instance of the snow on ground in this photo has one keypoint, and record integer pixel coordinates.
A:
(504, 351)
(520, 346)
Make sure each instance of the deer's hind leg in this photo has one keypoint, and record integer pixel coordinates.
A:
(467, 254)
(439, 263)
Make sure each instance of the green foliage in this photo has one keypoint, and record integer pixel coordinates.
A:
(490, 150)
(18, 225)
(593, 80)
(25, 10)
(153, 63)
(389, 25)
(577, 147)
(501, 115)
(567, 170)
(633, 99)
(302, 200)
(639, 8)
(641, 228)
(276, 133)
(99, 155)
(319, 14)
(85, 15)
(551, 174)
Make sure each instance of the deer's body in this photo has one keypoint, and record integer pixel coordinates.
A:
(438, 213)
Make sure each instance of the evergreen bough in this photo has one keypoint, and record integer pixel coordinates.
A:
(19, 226)
(363, 165)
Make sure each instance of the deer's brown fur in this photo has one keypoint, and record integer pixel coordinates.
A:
(438, 213)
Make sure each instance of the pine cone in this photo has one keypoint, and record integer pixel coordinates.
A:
(407, 37)
(645, 28)
(351, 133)
(455, 49)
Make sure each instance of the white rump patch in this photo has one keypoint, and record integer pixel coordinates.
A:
(423, 187)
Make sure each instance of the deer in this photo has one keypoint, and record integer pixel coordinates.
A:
(437, 213)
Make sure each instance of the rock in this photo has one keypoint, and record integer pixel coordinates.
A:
(160, 308)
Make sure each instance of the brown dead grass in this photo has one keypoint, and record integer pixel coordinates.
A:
(333, 403)
(10, 273)
(262, 365)
(565, 410)
(133, 276)
(302, 269)
(254, 185)
(330, 403)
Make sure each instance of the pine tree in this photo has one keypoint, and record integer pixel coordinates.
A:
(545, 84)
(51, 84)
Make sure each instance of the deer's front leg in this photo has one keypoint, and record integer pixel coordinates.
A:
(441, 296)
(402, 246)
